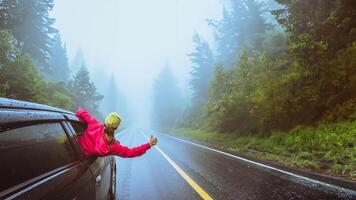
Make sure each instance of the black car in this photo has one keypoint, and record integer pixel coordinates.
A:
(40, 157)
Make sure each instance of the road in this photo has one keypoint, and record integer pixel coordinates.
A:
(179, 169)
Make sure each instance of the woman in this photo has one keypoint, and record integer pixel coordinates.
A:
(98, 139)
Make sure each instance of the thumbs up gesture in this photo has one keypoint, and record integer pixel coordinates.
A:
(153, 141)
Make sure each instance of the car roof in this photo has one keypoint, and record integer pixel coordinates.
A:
(17, 104)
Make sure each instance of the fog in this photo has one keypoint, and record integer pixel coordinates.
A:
(133, 40)
(261, 79)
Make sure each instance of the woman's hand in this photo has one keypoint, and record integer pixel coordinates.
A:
(153, 141)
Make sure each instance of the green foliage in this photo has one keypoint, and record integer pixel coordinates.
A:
(342, 102)
(31, 48)
(321, 43)
(324, 28)
(343, 112)
(29, 22)
(56, 94)
(280, 81)
(251, 97)
(18, 76)
(284, 94)
(20, 79)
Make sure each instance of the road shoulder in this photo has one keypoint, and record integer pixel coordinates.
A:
(256, 157)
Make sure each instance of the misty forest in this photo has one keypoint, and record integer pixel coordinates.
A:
(277, 81)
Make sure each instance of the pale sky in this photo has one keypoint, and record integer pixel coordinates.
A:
(134, 39)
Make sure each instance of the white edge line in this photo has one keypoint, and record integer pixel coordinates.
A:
(353, 192)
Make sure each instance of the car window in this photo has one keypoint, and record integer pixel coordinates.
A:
(79, 128)
(27, 152)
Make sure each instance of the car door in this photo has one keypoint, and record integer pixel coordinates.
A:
(101, 167)
(38, 160)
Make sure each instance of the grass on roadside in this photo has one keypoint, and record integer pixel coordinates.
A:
(327, 148)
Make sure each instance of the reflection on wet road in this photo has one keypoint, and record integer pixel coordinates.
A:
(152, 176)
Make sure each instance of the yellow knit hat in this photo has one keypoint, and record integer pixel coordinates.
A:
(113, 120)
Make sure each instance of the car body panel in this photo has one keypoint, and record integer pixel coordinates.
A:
(15, 116)
(76, 180)
(17, 104)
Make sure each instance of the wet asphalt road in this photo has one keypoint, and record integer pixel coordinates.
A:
(221, 176)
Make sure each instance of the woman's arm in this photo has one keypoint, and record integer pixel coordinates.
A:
(81, 113)
(126, 152)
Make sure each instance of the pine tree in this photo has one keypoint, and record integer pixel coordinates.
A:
(9, 14)
(35, 32)
(240, 27)
(77, 62)
(58, 64)
(226, 34)
(167, 100)
(84, 92)
(318, 38)
(256, 24)
(202, 71)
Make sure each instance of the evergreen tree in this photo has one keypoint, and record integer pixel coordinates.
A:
(313, 34)
(256, 24)
(271, 6)
(34, 31)
(240, 26)
(77, 62)
(318, 39)
(59, 70)
(84, 92)
(167, 100)
(226, 34)
(9, 14)
(202, 70)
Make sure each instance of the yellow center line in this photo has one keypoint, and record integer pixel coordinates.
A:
(191, 182)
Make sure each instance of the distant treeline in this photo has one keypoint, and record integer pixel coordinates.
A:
(265, 76)
(33, 59)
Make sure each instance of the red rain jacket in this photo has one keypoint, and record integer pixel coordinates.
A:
(94, 142)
